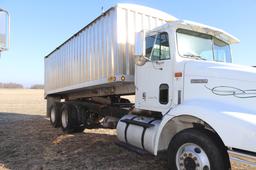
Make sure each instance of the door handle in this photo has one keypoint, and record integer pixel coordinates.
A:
(160, 62)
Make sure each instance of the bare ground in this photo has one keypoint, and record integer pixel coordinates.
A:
(27, 141)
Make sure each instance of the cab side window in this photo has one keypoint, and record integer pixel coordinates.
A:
(150, 40)
(161, 49)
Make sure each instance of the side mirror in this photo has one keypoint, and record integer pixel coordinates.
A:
(4, 30)
(140, 48)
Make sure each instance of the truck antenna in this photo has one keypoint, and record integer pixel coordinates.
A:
(102, 7)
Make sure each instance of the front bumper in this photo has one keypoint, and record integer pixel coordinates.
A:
(241, 161)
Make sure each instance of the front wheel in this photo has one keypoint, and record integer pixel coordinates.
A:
(194, 149)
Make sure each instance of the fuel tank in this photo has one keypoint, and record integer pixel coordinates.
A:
(138, 131)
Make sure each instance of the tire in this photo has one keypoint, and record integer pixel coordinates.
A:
(191, 146)
(69, 119)
(50, 102)
(55, 115)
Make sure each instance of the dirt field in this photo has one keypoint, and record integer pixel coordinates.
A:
(27, 141)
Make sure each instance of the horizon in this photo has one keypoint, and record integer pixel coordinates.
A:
(37, 28)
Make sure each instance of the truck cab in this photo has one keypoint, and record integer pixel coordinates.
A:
(184, 73)
(168, 49)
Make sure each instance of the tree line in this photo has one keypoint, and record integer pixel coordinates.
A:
(20, 86)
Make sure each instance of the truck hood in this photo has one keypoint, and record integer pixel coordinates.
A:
(224, 95)
(229, 84)
(220, 70)
(225, 119)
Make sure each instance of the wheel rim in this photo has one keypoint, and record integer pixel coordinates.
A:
(53, 115)
(64, 119)
(192, 157)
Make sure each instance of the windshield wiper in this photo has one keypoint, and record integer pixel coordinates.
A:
(197, 57)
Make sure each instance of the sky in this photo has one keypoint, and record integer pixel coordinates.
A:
(39, 26)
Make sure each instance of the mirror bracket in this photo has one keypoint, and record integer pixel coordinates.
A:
(140, 43)
(140, 58)
(4, 31)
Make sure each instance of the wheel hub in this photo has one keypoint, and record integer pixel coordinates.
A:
(192, 157)
(64, 119)
(189, 164)
(53, 115)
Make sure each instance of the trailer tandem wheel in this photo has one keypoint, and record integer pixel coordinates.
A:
(55, 115)
(70, 122)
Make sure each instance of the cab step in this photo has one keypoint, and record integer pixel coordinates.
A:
(132, 148)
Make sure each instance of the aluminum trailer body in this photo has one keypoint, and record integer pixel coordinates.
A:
(101, 55)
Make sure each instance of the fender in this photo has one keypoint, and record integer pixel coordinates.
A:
(227, 121)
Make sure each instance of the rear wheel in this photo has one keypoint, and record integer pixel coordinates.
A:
(50, 102)
(69, 119)
(65, 123)
(194, 149)
(55, 115)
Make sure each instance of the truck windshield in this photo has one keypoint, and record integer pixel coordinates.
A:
(197, 45)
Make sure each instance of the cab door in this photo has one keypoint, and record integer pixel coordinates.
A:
(153, 79)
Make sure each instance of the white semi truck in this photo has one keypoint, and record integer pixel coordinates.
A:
(190, 100)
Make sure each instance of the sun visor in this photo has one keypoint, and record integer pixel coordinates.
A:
(218, 33)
